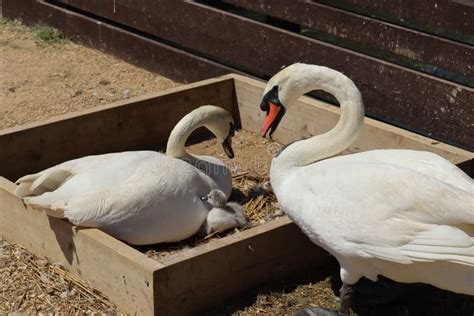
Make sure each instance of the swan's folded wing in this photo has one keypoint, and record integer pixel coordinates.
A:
(388, 212)
(105, 206)
(428, 243)
(418, 219)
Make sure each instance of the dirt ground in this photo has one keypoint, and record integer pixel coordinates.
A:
(43, 75)
(41, 79)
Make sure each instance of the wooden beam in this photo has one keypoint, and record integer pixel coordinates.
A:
(370, 33)
(138, 123)
(408, 98)
(443, 17)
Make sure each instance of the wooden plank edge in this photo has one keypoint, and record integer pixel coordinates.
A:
(7, 185)
(411, 43)
(201, 278)
(217, 244)
(128, 102)
(135, 256)
(444, 19)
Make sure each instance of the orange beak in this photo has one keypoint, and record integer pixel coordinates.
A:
(270, 118)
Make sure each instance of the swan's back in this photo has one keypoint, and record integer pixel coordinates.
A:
(84, 173)
(141, 197)
(424, 162)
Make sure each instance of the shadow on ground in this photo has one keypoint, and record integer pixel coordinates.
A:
(321, 288)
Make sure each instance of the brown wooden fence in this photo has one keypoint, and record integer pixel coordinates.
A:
(412, 60)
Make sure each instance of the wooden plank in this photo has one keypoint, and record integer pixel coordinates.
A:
(375, 134)
(182, 284)
(6, 185)
(207, 275)
(143, 51)
(194, 279)
(445, 17)
(137, 123)
(411, 99)
(370, 33)
(128, 276)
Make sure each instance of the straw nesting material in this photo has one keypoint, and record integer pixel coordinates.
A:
(32, 285)
(253, 192)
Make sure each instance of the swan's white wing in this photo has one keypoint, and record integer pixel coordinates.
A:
(381, 210)
(424, 162)
(105, 206)
(82, 174)
(427, 243)
(118, 189)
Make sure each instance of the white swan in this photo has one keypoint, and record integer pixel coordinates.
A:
(141, 197)
(407, 215)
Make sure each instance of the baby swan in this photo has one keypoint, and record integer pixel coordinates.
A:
(223, 215)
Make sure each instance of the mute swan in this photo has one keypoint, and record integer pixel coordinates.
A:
(141, 197)
(223, 215)
(404, 214)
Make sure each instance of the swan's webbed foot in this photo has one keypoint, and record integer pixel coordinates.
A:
(317, 311)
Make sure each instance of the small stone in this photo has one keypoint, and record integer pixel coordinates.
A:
(278, 212)
(12, 89)
(267, 186)
(104, 82)
(44, 278)
(77, 93)
(126, 92)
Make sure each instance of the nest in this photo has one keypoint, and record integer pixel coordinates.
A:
(255, 195)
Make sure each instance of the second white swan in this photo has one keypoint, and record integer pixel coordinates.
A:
(407, 215)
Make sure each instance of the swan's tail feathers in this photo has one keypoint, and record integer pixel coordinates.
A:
(39, 183)
(23, 189)
(443, 243)
(39, 203)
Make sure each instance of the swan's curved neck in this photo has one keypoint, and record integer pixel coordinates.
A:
(305, 152)
(175, 147)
